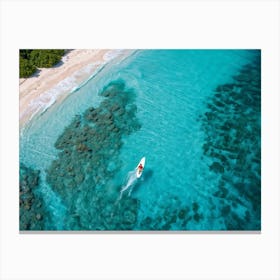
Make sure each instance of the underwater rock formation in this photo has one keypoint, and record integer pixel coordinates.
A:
(32, 208)
(232, 126)
(89, 159)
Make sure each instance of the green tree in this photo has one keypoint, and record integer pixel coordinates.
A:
(26, 69)
(45, 58)
(25, 53)
(30, 59)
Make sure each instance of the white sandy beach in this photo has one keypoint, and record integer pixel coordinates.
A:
(43, 89)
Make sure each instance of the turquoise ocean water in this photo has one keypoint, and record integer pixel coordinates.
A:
(196, 117)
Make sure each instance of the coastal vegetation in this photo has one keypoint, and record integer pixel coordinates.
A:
(26, 69)
(32, 59)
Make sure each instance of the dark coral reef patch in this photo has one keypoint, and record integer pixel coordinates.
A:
(33, 212)
(232, 126)
(89, 159)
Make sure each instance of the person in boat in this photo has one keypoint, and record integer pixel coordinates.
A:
(140, 167)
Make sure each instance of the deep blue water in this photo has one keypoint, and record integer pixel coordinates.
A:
(195, 116)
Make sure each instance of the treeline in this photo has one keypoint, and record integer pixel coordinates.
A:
(30, 60)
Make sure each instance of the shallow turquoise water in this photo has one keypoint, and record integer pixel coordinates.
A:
(201, 143)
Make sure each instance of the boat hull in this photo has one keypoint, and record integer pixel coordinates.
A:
(138, 172)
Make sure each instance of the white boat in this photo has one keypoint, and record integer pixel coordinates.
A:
(139, 170)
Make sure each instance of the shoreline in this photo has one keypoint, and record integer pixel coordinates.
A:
(40, 91)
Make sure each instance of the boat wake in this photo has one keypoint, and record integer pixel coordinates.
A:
(130, 182)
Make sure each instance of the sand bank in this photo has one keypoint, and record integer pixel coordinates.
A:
(45, 87)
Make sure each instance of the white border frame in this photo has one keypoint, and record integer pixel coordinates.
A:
(140, 24)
